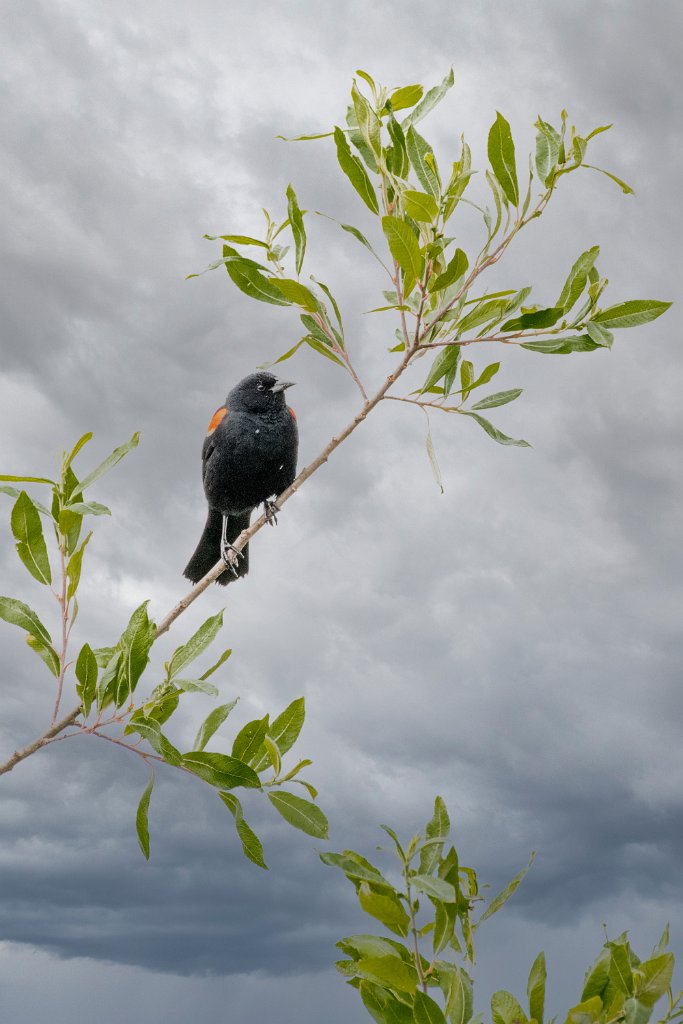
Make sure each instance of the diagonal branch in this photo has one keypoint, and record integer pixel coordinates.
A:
(42, 741)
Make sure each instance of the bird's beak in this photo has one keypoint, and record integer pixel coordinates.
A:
(282, 385)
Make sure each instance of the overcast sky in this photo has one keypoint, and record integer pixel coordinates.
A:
(513, 644)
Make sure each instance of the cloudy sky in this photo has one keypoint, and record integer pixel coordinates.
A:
(513, 644)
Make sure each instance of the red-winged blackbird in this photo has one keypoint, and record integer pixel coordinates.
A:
(249, 455)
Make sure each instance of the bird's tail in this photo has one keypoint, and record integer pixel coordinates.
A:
(209, 548)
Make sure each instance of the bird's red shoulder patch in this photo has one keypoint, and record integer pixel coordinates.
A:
(292, 413)
(217, 418)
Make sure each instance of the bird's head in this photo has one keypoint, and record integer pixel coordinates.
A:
(259, 392)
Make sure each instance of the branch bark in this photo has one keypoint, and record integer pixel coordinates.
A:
(42, 741)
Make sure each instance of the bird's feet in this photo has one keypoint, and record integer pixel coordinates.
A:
(231, 556)
(270, 509)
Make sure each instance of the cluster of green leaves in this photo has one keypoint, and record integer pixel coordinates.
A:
(258, 748)
(414, 977)
(324, 332)
(394, 170)
(65, 514)
(106, 678)
(433, 903)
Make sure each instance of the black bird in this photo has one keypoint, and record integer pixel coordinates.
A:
(248, 456)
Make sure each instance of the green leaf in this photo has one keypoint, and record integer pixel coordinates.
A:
(547, 150)
(499, 398)
(221, 770)
(251, 281)
(597, 131)
(86, 674)
(285, 729)
(397, 159)
(586, 1012)
(444, 924)
(334, 304)
(296, 292)
(435, 887)
(501, 151)
(357, 868)
(663, 942)
(142, 818)
(135, 644)
(367, 121)
(433, 461)
(323, 349)
(459, 1004)
(599, 334)
(196, 645)
(45, 652)
(536, 988)
(631, 313)
(426, 1011)
(281, 359)
(578, 276)
(273, 754)
(487, 312)
(88, 508)
(535, 319)
(240, 239)
(195, 686)
(73, 569)
(455, 269)
(82, 441)
(420, 206)
(301, 814)
(150, 730)
(19, 614)
(404, 246)
(249, 740)
(422, 158)
(351, 230)
(506, 1010)
(653, 978)
(109, 462)
(211, 723)
(626, 189)
(406, 96)
(354, 171)
(385, 908)
(438, 827)
(493, 432)
(305, 138)
(216, 665)
(251, 844)
(360, 946)
(504, 895)
(635, 1012)
(389, 970)
(459, 180)
(445, 365)
(25, 479)
(296, 222)
(561, 346)
(434, 96)
(28, 532)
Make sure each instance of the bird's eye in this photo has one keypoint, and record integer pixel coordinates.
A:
(259, 387)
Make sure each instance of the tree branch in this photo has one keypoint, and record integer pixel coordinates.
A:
(42, 741)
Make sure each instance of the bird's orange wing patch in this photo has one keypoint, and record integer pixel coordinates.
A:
(293, 414)
(217, 418)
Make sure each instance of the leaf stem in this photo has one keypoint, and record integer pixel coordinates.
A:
(64, 606)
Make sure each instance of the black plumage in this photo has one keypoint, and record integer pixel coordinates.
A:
(248, 457)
